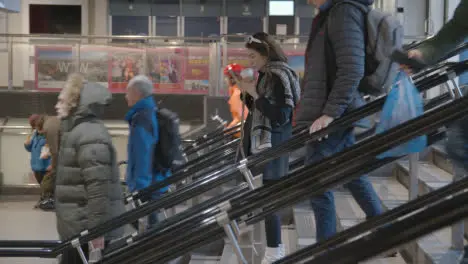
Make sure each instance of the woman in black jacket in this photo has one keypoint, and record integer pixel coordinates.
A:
(271, 99)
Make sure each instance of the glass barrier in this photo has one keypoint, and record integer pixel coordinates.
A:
(176, 65)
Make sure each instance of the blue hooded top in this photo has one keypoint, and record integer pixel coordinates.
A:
(38, 141)
(142, 140)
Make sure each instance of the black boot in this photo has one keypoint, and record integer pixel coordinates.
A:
(47, 205)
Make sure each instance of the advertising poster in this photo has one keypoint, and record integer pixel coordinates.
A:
(94, 64)
(238, 55)
(197, 69)
(53, 65)
(166, 69)
(125, 64)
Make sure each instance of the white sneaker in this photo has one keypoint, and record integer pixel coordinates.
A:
(273, 254)
(282, 250)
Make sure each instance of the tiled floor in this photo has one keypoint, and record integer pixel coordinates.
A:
(19, 221)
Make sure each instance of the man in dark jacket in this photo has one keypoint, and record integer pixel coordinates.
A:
(329, 95)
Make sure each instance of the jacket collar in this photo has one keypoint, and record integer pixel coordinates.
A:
(326, 6)
(143, 104)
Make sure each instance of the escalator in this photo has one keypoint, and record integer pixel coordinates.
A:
(207, 222)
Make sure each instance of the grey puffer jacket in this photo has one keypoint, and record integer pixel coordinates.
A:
(334, 93)
(88, 191)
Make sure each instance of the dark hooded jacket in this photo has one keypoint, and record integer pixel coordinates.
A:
(88, 191)
(330, 84)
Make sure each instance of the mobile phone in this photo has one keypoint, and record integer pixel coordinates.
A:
(401, 57)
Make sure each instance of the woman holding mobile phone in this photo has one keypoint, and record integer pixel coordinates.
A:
(271, 99)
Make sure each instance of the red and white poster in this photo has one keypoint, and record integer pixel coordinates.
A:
(197, 70)
(166, 68)
(239, 56)
(54, 64)
(126, 63)
(94, 64)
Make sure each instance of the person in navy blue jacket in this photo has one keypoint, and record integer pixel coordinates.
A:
(35, 145)
(143, 138)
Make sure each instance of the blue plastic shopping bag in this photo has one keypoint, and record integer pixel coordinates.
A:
(403, 103)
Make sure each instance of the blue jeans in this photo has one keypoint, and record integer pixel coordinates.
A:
(457, 143)
(361, 189)
(274, 171)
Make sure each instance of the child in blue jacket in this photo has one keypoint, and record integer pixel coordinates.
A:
(36, 144)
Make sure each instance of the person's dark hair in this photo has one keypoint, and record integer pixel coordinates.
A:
(268, 47)
(40, 122)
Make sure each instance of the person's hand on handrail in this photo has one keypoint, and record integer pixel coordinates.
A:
(321, 123)
(412, 54)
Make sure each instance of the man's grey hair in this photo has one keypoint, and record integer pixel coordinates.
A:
(142, 83)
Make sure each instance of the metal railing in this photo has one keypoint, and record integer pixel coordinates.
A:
(216, 55)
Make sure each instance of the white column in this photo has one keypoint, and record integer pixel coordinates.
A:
(101, 21)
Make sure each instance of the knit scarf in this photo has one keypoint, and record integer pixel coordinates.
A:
(261, 125)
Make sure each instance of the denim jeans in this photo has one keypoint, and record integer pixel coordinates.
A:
(457, 144)
(272, 225)
(361, 189)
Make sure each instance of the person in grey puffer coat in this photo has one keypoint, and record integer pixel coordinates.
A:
(330, 89)
(88, 191)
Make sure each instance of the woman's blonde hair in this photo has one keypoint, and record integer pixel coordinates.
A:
(72, 89)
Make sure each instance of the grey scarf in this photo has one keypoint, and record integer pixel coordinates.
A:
(261, 125)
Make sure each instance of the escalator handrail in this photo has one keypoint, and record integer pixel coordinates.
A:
(234, 192)
(211, 135)
(210, 141)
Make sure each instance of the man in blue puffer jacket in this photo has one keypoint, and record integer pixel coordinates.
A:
(143, 138)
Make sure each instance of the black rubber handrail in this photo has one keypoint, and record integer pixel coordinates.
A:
(185, 215)
(29, 244)
(211, 135)
(214, 140)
